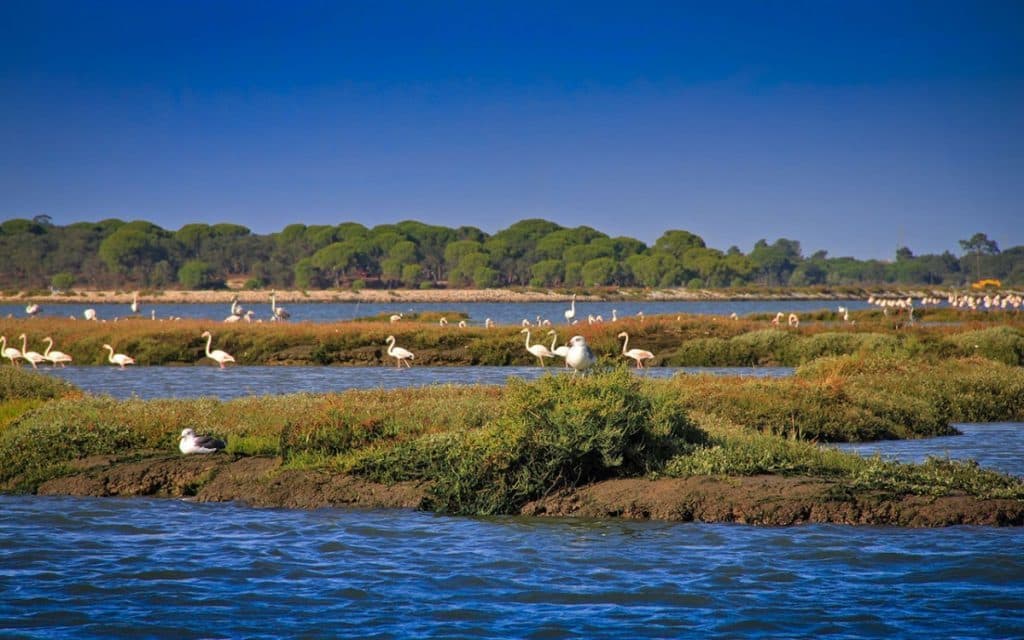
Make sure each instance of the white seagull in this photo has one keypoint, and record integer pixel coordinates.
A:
(191, 443)
(580, 356)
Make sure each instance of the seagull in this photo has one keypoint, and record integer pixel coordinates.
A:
(580, 356)
(191, 443)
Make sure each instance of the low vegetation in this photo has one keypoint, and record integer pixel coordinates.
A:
(491, 449)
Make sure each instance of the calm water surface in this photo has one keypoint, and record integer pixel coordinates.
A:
(232, 382)
(500, 312)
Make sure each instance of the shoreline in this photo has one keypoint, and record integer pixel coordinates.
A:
(410, 295)
(262, 482)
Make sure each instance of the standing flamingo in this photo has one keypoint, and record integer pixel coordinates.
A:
(538, 350)
(793, 320)
(277, 313)
(398, 353)
(637, 354)
(562, 351)
(220, 356)
(10, 353)
(32, 357)
(89, 314)
(134, 306)
(32, 309)
(55, 357)
(570, 313)
(119, 359)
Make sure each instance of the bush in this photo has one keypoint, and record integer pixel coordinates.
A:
(17, 384)
(62, 281)
(196, 274)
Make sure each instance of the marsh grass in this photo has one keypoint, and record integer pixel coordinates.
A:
(490, 449)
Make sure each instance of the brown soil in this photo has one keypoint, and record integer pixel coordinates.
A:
(761, 500)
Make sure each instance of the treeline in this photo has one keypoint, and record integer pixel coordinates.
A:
(112, 253)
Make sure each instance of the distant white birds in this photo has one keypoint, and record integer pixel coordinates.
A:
(395, 317)
(276, 312)
(538, 350)
(32, 357)
(570, 313)
(119, 359)
(778, 318)
(89, 314)
(247, 316)
(32, 309)
(637, 354)
(10, 353)
(488, 323)
(236, 309)
(191, 443)
(55, 357)
(793, 320)
(844, 312)
(443, 321)
(398, 353)
(734, 316)
(615, 315)
(580, 357)
(562, 351)
(220, 357)
(135, 303)
(462, 324)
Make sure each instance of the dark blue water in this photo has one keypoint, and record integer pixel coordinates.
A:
(116, 568)
(232, 382)
(500, 312)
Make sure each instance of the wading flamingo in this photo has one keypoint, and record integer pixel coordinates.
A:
(219, 356)
(793, 320)
(580, 356)
(55, 357)
(538, 350)
(562, 351)
(637, 354)
(395, 317)
(32, 309)
(277, 313)
(398, 353)
(89, 314)
(191, 443)
(10, 353)
(570, 313)
(135, 303)
(32, 357)
(119, 359)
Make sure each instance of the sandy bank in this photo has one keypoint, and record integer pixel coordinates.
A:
(404, 295)
(760, 500)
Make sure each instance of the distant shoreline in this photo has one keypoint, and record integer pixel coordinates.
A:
(407, 295)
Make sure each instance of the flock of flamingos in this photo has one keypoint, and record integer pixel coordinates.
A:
(576, 353)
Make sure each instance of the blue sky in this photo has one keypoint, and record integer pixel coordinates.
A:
(850, 126)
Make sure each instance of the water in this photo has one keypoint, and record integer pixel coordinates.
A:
(995, 445)
(500, 312)
(232, 382)
(118, 568)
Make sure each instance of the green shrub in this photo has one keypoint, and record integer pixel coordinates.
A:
(16, 383)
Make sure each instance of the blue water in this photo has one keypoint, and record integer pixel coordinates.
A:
(118, 568)
(500, 312)
(232, 382)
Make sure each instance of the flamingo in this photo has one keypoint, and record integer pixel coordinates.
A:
(89, 314)
(637, 354)
(777, 319)
(395, 317)
(538, 350)
(191, 443)
(398, 353)
(488, 323)
(55, 357)
(615, 315)
(277, 313)
(247, 316)
(562, 351)
(135, 303)
(32, 357)
(10, 353)
(580, 356)
(570, 313)
(793, 320)
(462, 324)
(152, 314)
(32, 309)
(236, 309)
(220, 356)
(119, 359)
(443, 322)
(734, 316)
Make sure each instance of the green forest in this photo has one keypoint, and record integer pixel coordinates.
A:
(37, 254)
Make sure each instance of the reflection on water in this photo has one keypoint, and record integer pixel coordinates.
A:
(182, 382)
(500, 312)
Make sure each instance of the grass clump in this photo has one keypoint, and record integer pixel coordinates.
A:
(20, 384)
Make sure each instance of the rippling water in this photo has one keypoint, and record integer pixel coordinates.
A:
(232, 382)
(500, 312)
(109, 568)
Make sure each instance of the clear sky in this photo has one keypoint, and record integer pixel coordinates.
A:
(849, 126)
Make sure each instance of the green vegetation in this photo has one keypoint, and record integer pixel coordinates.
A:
(538, 253)
(488, 449)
